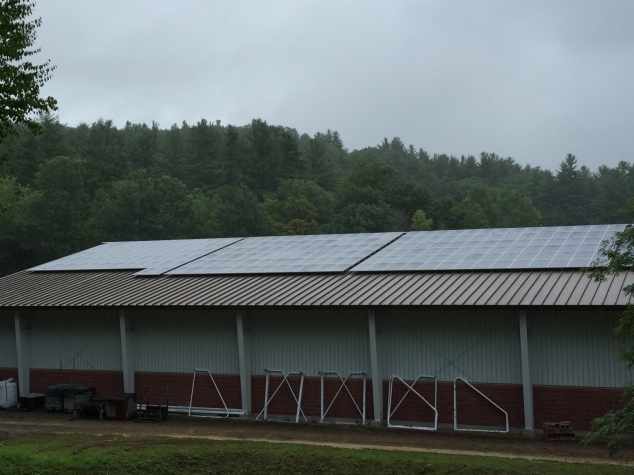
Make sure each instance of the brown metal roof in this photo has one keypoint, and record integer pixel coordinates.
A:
(488, 288)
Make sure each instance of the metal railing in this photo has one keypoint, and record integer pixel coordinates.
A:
(455, 409)
(410, 388)
(343, 381)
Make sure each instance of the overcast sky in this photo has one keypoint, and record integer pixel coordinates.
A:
(533, 80)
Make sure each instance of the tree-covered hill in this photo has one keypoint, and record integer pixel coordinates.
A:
(69, 188)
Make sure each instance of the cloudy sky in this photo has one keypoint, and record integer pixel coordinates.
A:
(533, 80)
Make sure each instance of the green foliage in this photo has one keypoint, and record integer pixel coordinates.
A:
(375, 198)
(298, 207)
(615, 426)
(21, 79)
(616, 256)
(78, 454)
(144, 182)
(239, 213)
(420, 221)
(468, 215)
(143, 208)
(58, 210)
(13, 216)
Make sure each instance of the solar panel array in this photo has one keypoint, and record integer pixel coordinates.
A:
(150, 257)
(509, 248)
(474, 249)
(289, 254)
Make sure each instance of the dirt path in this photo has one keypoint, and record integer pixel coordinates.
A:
(13, 423)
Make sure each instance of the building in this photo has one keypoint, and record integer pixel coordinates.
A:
(506, 310)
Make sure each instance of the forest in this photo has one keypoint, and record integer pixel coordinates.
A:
(68, 188)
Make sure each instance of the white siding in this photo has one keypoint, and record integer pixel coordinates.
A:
(479, 345)
(180, 340)
(309, 341)
(8, 355)
(87, 339)
(576, 348)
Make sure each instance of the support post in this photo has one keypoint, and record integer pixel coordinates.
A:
(245, 373)
(526, 374)
(377, 383)
(23, 347)
(127, 355)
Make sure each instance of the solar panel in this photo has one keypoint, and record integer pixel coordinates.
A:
(151, 257)
(508, 248)
(289, 254)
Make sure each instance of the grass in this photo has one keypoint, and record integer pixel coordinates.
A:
(80, 454)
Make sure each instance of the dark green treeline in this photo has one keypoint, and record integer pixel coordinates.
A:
(73, 187)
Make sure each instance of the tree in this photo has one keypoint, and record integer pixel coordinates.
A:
(14, 255)
(58, 210)
(20, 79)
(143, 208)
(299, 207)
(420, 222)
(321, 168)
(616, 256)
(239, 213)
(467, 215)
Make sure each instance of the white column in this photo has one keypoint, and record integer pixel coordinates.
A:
(377, 383)
(245, 370)
(127, 352)
(23, 347)
(526, 374)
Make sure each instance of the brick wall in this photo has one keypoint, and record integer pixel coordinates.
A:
(284, 404)
(550, 403)
(180, 385)
(106, 383)
(579, 405)
(473, 409)
(8, 373)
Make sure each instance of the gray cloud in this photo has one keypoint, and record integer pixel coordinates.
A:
(533, 80)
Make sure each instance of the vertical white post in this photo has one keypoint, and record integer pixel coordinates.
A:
(245, 373)
(127, 355)
(526, 374)
(23, 347)
(377, 383)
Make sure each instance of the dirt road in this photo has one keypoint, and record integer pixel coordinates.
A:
(15, 423)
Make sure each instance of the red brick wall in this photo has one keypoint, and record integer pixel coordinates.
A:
(180, 385)
(106, 383)
(473, 409)
(8, 373)
(579, 405)
(550, 403)
(284, 404)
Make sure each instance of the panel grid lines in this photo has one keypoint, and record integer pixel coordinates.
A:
(289, 254)
(480, 249)
(149, 257)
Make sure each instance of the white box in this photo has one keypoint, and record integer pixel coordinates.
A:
(8, 394)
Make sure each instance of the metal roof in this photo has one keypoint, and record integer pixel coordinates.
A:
(467, 288)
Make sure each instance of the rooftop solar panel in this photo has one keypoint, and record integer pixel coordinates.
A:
(506, 248)
(149, 257)
(289, 254)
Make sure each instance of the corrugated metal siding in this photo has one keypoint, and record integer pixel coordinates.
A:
(8, 355)
(179, 340)
(479, 345)
(89, 338)
(309, 341)
(471, 288)
(576, 349)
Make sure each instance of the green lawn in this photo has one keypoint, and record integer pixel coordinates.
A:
(81, 454)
